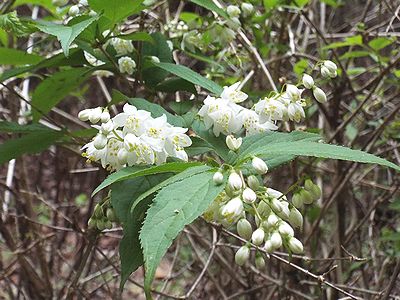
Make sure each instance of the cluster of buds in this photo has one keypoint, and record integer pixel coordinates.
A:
(103, 216)
(328, 69)
(176, 29)
(245, 199)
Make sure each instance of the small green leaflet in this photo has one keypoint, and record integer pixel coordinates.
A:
(210, 5)
(30, 143)
(55, 88)
(10, 56)
(191, 76)
(116, 10)
(132, 172)
(65, 34)
(175, 206)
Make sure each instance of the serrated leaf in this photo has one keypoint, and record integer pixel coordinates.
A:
(10, 56)
(116, 10)
(56, 87)
(138, 171)
(30, 143)
(310, 148)
(65, 34)
(210, 5)
(191, 76)
(175, 206)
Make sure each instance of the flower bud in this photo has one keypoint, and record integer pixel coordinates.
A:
(253, 182)
(234, 181)
(295, 245)
(154, 59)
(108, 224)
(330, 65)
(247, 9)
(107, 127)
(308, 184)
(319, 95)
(308, 81)
(285, 229)
(105, 116)
(285, 212)
(73, 10)
(276, 240)
(325, 72)
(92, 223)
(306, 196)
(101, 224)
(272, 220)
(293, 92)
(233, 11)
(260, 262)
(242, 255)
(275, 205)
(295, 218)
(122, 156)
(297, 201)
(263, 208)
(313, 189)
(95, 115)
(244, 229)
(233, 143)
(84, 114)
(259, 165)
(59, 2)
(218, 178)
(232, 209)
(268, 246)
(257, 238)
(249, 196)
(98, 211)
(110, 213)
(100, 141)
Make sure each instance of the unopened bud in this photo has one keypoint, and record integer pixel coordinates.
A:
(244, 229)
(111, 214)
(100, 141)
(233, 143)
(253, 182)
(263, 208)
(95, 115)
(308, 81)
(105, 116)
(260, 262)
(218, 178)
(242, 255)
(285, 229)
(234, 181)
(330, 65)
(84, 114)
(233, 11)
(325, 72)
(297, 201)
(122, 156)
(259, 165)
(319, 95)
(249, 196)
(306, 196)
(92, 223)
(272, 220)
(276, 205)
(268, 246)
(295, 218)
(107, 127)
(247, 9)
(232, 209)
(276, 240)
(73, 10)
(257, 238)
(295, 245)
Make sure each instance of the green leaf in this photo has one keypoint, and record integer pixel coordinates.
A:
(218, 144)
(30, 143)
(137, 171)
(56, 87)
(157, 111)
(137, 36)
(173, 85)
(350, 41)
(116, 10)
(191, 76)
(17, 128)
(66, 34)
(175, 206)
(311, 148)
(354, 54)
(210, 5)
(270, 3)
(380, 43)
(10, 56)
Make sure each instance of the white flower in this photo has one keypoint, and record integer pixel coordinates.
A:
(126, 65)
(175, 141)
(259, 165)
(296, 111)
(232, 93)
(249, 196)
(121, 46)
(107, 127)
(319, 95)
(257, 238)
(293, 92)
(234, 181)
(270, 109)
(139, 152)
(251, 122)
(242, 255)
(233, 11)
(132, 119)
(307, 81)
(233, 143)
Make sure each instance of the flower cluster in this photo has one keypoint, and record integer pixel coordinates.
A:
(176, 29)
(133, 137)
(275, 218)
